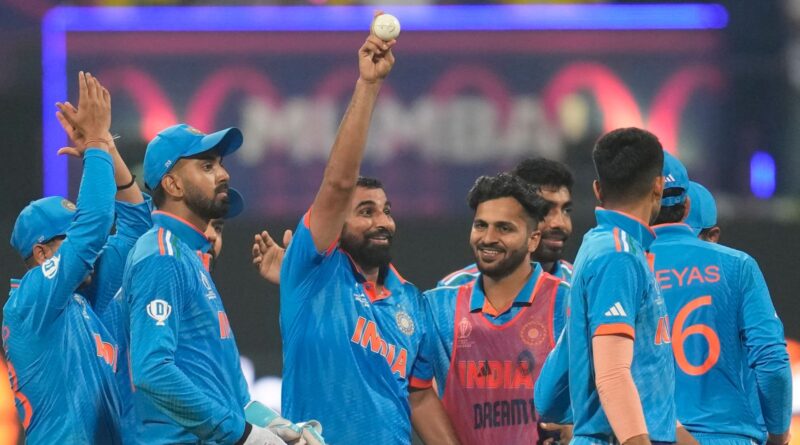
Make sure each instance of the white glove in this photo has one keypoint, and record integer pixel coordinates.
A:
(262, 436)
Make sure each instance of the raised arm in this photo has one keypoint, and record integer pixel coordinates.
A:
(328, 212)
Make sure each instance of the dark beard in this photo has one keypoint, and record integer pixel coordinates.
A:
(366, 254)
(203, 207)
(504, 267)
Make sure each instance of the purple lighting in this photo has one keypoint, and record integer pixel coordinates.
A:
(762, 175)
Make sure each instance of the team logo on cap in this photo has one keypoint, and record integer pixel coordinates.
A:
(193, 130)
(532, 333)
(159, 311)
(67, 204)
(404, 323)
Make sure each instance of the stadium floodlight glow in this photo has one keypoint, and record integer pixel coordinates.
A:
(61, 20)
(762, 175)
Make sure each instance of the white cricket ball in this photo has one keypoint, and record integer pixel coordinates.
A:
(386, 27)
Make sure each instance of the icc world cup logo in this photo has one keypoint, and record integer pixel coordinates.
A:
(159, 311)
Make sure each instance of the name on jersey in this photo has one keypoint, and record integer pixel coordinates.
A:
(366, 335)
(688, 276)
(503, 413)
(494, 374)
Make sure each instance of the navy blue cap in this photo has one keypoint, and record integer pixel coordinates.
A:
(181, 141)
(702, 208)
(675, 177)
(235, 203)
(40, 221)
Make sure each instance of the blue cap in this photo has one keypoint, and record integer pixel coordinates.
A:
(235, 203)
(181, 141)
(702, 208)
(675, 177)
(40, 221)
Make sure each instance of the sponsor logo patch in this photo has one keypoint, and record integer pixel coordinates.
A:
(159, 310)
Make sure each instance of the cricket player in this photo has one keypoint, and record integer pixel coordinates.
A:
(351, 324)
(51, 333)
(553, 181)
(732, 371)
(621, 377)
(185, 367)
(493, 333)
(702, 217)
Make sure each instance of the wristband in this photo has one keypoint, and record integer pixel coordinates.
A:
(128, 185)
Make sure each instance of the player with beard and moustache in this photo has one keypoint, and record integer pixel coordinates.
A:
(492, 334)
(351, 325)
(185, 366)
(554, 182)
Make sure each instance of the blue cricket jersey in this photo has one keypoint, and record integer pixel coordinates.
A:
(551, 392)
(440, 308)
(132, 221)
(614, 292)
(348, 352)
(727, 340)
(561, 269)
(61, 359)
(189, 386)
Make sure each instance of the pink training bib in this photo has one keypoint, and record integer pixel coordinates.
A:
(489, 388)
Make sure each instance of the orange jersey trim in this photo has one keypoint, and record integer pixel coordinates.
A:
(615, 329)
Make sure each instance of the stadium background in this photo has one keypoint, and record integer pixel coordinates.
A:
(722, 91)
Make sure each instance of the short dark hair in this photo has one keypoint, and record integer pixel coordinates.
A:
(506, 185)
(626, 161)
(671, 214)
(544, 173)
(159, 196)
(369, 183)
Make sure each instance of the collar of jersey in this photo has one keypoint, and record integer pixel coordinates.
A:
(184, 230)
(478, 301)
(631, 225)
(673, 229)
(387, 275)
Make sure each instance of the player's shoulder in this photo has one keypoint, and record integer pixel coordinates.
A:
(442, 292)
(460, 276)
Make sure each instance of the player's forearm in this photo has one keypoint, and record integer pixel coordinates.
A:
(551, 393)
(95, 215)
(176, 396)
(123, 177)
(429, 418)
(774, 382)
(331, 204)
(612, 358)
(351, 139)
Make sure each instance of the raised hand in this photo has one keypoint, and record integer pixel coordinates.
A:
(89, 124)
(375, 58)
(268, 255)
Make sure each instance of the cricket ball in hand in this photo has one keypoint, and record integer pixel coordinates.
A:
(386, 27)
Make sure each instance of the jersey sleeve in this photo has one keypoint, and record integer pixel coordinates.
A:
(132, 221)
(62, 274)
(615, 290)
(551, 392)
(422, 370)
(560, 308)
(155, 317)
(762, 334)
(302, 272)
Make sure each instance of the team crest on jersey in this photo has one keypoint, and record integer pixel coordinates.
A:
(67, 204)
(50, 267)
(404, 323)
(533, 333)
(159, 310)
